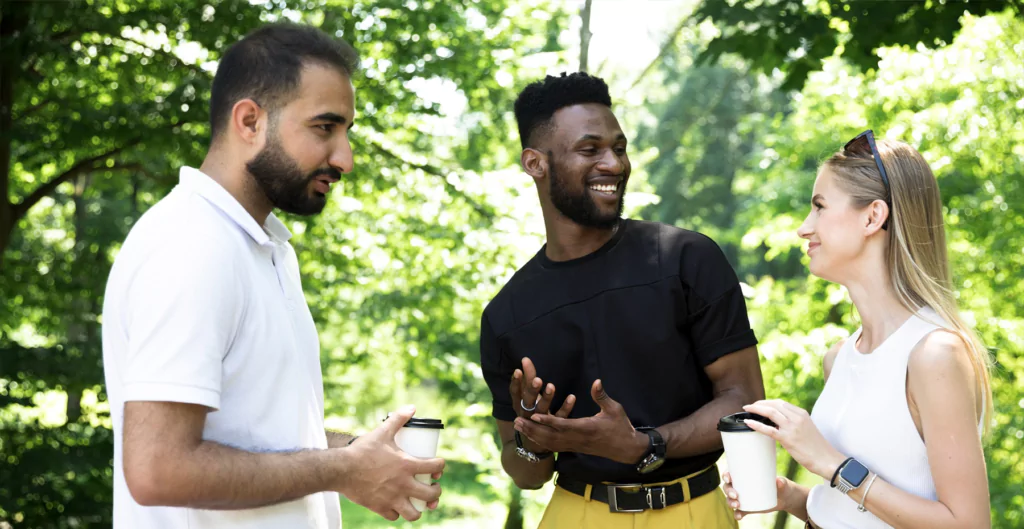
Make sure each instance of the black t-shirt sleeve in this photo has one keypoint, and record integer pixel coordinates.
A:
(717, 321)
(497, 370)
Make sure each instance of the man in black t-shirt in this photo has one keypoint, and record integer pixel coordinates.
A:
(620, 344)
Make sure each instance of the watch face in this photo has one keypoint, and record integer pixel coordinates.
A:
(650, 464)
(854, 473)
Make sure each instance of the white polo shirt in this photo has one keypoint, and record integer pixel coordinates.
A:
(204, 306)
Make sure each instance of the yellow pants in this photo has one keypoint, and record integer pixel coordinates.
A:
(570, 511)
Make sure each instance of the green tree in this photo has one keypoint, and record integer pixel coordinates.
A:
(961, 105)
(796, 36)
(103, 100)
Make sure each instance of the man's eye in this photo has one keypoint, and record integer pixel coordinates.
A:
(326, 128)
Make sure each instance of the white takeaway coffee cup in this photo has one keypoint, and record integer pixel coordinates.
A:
(751, 458)
(419, 438)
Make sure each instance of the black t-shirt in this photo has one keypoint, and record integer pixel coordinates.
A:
(645, 313)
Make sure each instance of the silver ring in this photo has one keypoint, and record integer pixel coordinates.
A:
(522, 405)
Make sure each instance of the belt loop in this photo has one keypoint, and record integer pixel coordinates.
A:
(586, 493)
(686, 490)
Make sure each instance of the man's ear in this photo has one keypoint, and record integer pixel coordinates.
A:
(535, 163)
(247, 120)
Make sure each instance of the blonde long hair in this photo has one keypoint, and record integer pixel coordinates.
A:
(916, 255)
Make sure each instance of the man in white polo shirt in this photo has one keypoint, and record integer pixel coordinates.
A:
(211, 357)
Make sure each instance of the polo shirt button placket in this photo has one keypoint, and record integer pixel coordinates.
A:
(277, 257)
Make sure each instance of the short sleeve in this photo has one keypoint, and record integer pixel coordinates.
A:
(183, 310)
(497, 370)
(717, 321)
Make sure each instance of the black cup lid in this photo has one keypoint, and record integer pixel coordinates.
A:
(734, 422)
(416, 422)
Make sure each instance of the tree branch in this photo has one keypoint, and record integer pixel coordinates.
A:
(480, 209)
(585, 35)
(79, 168)
(669, 43)
(32, 109)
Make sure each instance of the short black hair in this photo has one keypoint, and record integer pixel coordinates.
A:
(266, 65)
(539, 101)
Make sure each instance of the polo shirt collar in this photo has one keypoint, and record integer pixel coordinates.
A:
(209, 189)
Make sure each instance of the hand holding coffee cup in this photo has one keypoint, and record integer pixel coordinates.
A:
(785, 494)
(419, 438)
(380, 476)
(752, 458)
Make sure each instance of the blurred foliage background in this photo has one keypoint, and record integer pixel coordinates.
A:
(730, 107)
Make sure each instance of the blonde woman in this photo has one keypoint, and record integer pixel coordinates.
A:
(895, 434)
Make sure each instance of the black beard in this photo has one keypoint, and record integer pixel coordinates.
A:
(282, 181)
(580, 207)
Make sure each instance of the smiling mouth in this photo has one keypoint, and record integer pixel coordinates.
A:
(606, 189)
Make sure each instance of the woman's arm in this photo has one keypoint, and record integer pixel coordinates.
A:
(942, 383)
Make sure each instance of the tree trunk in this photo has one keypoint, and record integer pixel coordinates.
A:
(515, 509)
(13, 21)
(6, 229)
(791, 469)
(79, 335)
(585, 36)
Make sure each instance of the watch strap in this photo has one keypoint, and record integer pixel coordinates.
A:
(656, 443)
(832, 482)
(533, 457)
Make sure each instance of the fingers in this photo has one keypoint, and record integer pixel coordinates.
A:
(767, 409)
(388, 514)
(515, 387)
(597, 392)
(602, 399)
(529, 370)
(407, 511)
(427, 466)
(530, 386)
(537, 433)
(396, 420)
(551, 421)
(427, 493)
(762, 428)
(545, 400)
(566, 408)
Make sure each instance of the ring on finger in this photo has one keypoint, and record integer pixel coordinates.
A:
(522, 404)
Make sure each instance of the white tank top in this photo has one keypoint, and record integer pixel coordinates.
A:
(863, 413)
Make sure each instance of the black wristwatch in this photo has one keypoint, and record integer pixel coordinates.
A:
(849, 475)
(522, 452)
(655, 455)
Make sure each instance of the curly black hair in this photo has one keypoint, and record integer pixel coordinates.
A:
(539, 101)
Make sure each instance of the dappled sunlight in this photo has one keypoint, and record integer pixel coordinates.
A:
(438, 214)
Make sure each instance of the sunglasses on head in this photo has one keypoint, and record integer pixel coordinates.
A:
(864, 143)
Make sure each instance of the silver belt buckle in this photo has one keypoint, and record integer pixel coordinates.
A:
(613, 500)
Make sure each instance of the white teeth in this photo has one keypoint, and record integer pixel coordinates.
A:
(605, 188)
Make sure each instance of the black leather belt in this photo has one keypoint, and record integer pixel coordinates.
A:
(638, 497)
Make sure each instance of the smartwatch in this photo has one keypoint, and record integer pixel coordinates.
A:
(850, 475)
(522, 452)
(655, 455)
